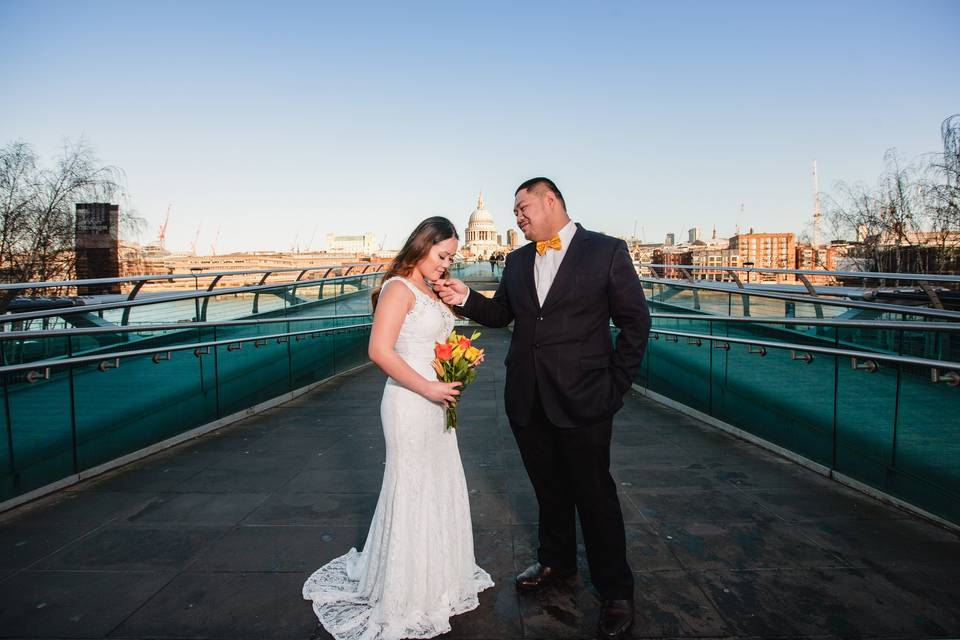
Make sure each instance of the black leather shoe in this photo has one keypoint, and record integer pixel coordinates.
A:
(616, 619)
(537, 576)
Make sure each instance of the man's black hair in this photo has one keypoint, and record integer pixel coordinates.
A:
(534, 184)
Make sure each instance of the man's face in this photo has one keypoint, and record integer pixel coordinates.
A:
(535, 215)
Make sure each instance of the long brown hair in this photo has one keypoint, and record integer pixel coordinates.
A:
(421, 240)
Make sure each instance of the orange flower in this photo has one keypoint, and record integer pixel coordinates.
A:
(464, 343)
(444, 351)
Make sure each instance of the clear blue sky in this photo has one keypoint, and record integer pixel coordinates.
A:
(272, 119)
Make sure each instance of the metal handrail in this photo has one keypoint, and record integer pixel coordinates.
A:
(949, 327)
(49, 284)
(872, 306)
(863, 275)
(187, 295)
(166, 326)
(117, 355)
(846, 353)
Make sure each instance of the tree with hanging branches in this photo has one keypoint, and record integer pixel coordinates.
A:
(37, 208)
(910, 221)
(941, 189)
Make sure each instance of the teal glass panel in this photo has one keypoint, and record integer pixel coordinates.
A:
(643, 375)
(866, 410)
(311, 358)
(33, 348)
(41, 429)
(767, 307)
(355, 297)
(330, 290)
(351, 348)
(713, 302)
(270, 300)
(91, 344)
(7, 488)
(149, 312)
(251, 372)
(138, 404)
(676, 299)
(226, 306)
(739, 305)
(678, 367)
(787, 402)
(807, 309)
(926, 456)
(305, 300)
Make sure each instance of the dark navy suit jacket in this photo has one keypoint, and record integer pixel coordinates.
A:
(563, 350)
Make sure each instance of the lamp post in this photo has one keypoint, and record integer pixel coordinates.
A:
(748, 265)
(196, 287)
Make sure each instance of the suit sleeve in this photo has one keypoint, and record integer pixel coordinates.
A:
(628, 309)
(490, 312)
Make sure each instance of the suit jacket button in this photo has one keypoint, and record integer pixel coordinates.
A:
(539, 317)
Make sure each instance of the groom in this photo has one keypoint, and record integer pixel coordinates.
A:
(565, 381)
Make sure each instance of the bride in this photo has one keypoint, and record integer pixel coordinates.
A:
(417, 568)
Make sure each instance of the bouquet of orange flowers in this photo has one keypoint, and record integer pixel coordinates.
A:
(457, 360)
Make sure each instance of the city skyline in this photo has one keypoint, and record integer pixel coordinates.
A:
(271, 123)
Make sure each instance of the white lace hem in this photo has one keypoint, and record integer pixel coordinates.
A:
(348, 614)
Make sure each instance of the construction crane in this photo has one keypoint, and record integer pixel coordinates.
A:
(312, 236)
(213, 246)
(817, 214)
(382, 241)
(196, 236)
(162, 235)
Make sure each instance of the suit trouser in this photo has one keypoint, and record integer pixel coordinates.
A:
(570, 472)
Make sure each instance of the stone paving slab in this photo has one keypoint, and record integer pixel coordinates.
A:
(214, 538)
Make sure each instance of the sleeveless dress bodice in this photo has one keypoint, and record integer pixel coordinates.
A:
(429, 321)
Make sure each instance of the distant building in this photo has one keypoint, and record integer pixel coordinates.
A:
(767, 251)
(669, 241)
(669, 255)
(693, 235)
(911, 238)
(715, 252)
(365, 244)
(642, 253)
(97, 238)
(821, 258)
(480, 237)
(513, 239)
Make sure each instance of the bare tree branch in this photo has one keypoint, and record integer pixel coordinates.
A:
(37, 208)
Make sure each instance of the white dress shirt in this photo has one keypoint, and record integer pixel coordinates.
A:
(545, 266)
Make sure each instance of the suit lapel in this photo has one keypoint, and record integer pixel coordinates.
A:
(527, 280)
(563, 281)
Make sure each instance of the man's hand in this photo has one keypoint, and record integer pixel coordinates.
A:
(451, 291)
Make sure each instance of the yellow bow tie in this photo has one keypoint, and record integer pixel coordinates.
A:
(552, 243)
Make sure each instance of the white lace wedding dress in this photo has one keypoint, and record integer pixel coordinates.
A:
(417, 568)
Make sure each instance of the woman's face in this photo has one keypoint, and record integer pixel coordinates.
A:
(438, 259)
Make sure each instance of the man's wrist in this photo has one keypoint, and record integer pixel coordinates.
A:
(465, 296)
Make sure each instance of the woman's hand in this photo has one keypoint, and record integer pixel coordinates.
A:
(442, 392)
